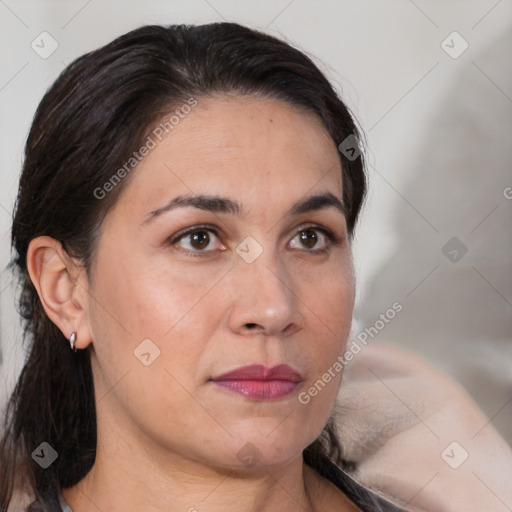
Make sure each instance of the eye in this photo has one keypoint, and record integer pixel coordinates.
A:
(198, 239)
(316, 239)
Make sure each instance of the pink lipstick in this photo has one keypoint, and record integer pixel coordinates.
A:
(258, 382)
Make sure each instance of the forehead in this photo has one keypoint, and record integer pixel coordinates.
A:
(239, 146)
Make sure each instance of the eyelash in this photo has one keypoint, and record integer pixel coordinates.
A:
(332, 238)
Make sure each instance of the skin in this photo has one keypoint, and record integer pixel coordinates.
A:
(168, 438)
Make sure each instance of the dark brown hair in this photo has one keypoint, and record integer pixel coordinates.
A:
(96, 114)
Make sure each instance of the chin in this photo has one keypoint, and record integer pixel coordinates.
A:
(253, 451)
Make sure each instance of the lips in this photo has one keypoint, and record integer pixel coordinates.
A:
(258, 382)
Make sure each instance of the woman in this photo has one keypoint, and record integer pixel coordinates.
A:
(182, 236)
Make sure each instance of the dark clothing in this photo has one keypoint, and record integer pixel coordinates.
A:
(365, 499)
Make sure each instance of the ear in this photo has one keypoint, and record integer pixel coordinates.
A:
(62, 287)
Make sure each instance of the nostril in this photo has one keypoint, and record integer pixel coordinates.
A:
(251, 326)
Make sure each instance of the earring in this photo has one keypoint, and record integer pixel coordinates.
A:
(72, 340)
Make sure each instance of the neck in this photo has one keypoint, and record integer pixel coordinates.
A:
(285, 491)
(123, 478)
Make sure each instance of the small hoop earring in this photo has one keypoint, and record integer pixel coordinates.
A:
(72, 340)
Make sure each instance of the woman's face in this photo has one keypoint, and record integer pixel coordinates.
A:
(253, 273)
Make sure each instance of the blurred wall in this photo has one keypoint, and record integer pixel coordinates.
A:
(430, 82)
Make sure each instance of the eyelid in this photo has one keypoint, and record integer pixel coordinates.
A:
(175, 238)
(332, 237)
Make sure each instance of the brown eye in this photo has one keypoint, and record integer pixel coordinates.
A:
(199, 239)
(312, 239)
(308, 238)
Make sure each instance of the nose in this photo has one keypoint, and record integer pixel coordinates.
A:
(264, 301)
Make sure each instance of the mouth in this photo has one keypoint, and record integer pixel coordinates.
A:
(258, 382)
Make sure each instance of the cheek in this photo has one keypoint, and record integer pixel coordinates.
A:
(148, 298)
(330, 311)
(176, 313)
(328, 295)
(176, 308)
(335, 300)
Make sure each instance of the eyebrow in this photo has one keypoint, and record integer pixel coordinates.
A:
(218, 204)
